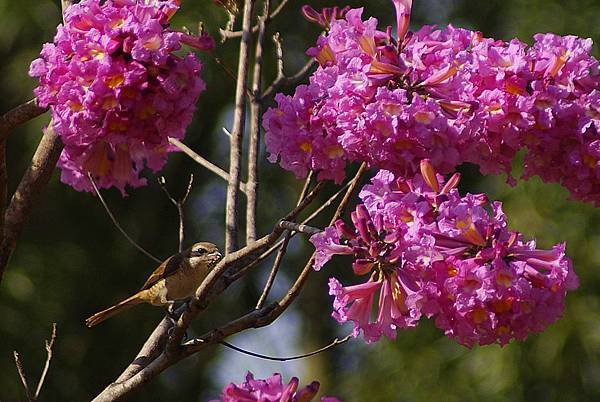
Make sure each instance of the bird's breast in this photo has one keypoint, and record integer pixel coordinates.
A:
(184, 283)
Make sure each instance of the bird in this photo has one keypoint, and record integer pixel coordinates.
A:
(177, 278)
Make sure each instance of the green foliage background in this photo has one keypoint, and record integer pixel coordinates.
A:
(71, 262)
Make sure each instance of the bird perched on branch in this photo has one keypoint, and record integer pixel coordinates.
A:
(177, 278)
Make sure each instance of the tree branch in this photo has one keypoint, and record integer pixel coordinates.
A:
(31, 186)
(282, 81)
(255, 113)
(19, 115)
(204, 162)
(227, 33)
(298, 227)
(235, 151)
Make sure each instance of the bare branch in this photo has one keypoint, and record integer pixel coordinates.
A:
(278, 54)
(235, 150)
(21, 371)
(282, 250)
(204, 162)
(330, 345)
(19, 115)
(255, 113)
(227, 33)
(298, 227)
(31, 186)
(22, 375)
(283, 81)
(117, 225)
(49, 345)
(178, 204)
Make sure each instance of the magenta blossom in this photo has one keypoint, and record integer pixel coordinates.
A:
(429, 251)
(117, 90)
(270, 390)
(444, 94)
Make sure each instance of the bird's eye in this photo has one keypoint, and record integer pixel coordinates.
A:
(198, 252)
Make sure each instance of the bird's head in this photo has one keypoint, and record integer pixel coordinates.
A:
(203, 253)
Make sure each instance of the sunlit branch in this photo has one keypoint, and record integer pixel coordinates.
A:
(235, 150)
(204, 162)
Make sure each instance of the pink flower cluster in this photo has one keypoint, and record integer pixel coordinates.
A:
(116, 89)
(428, 251)
(449, 95)
(271, 390)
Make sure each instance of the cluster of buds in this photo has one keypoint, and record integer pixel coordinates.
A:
(117, 90)
(429, 251)
(449, 95)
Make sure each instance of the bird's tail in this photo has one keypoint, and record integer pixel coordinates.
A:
(116, 309)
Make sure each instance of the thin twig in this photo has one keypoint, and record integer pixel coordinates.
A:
(21, 371)
(255, 113)
(298, 227)
(282, 249)
(235, 150)
(49, 345)
(326, 204)
(117, 225)
(280, 82)
(204, 162)
(330, 345)
(22, 376)
(178, 204)
(227, 33)
(279, 55)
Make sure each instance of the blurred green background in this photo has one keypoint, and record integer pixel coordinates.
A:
(71, 261)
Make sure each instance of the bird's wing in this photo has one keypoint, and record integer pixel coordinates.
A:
(167, 268)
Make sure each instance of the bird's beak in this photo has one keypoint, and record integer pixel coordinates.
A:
(216, 254)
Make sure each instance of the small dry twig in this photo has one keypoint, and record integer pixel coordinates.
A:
(204, 162)
(178, 204)
(21, 371)
(228, 32)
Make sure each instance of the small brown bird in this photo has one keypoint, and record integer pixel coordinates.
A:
(177, 278)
